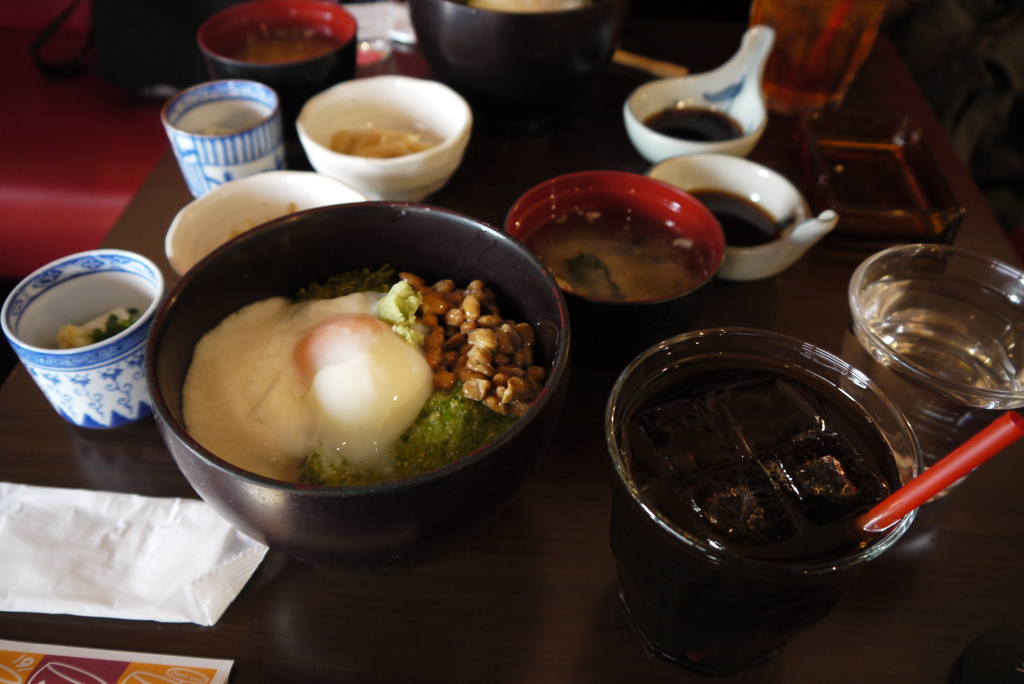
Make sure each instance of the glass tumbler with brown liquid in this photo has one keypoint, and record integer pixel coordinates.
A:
(819, 47)
(742, 458)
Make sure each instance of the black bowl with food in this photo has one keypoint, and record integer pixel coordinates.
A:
(258, 418)
(518, 68)
(634, 255)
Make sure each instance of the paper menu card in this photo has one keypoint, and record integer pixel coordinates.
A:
(26, 663)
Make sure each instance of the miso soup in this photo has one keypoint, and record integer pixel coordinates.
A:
(616, 255)
(285, 44)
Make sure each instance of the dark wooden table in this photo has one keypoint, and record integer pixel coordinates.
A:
(533, 598)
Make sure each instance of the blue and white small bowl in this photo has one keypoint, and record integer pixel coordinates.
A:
(101, 385)
(733, 89)
(223, 130)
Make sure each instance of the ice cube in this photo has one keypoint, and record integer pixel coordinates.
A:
(768, 412)
(827, 476)
(682, 438)
(741, 504)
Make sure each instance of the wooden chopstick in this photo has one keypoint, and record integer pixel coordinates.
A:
(651, 66)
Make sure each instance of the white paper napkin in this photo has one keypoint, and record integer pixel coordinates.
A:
(104, 554)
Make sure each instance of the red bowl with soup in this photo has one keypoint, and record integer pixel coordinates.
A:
(634, 256)
(297, 47)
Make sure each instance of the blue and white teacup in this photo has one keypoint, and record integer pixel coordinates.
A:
(102, 384)
(222, 130)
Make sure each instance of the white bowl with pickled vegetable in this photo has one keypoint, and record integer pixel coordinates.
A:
(390, 137)
(79, 326)
(372, 523)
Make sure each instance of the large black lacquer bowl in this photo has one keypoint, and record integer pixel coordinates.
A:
(517, 67)
(368, 526)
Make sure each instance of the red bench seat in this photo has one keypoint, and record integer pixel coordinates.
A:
(72, 151)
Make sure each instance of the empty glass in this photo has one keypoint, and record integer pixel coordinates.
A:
(941, 331)
(375, 19)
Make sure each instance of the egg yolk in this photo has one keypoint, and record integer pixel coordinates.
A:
(367, 385)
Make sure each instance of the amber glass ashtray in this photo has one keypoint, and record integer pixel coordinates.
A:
(878, 175)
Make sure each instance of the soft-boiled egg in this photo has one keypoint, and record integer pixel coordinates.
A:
(367, 385)
(276, 380)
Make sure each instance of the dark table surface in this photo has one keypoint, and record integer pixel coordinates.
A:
(533, 598)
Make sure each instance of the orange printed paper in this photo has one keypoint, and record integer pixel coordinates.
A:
(24, 663)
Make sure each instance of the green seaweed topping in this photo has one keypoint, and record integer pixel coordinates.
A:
(319, 469)
(449, 427)
(349, 282)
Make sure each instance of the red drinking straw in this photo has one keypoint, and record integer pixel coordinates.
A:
(1001, 433)
(835, 22)
(816, 57)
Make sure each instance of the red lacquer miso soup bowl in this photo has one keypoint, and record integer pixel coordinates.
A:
(634, 256)
(297, 47)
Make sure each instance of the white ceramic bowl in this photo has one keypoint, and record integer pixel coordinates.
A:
(100, 385)
(763, 187)
(733, 89)
(209, 221)
(388, 102)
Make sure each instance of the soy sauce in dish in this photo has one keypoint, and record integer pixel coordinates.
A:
(744, 223)
(695, 123)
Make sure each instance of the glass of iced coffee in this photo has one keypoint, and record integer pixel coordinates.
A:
(742, 459)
